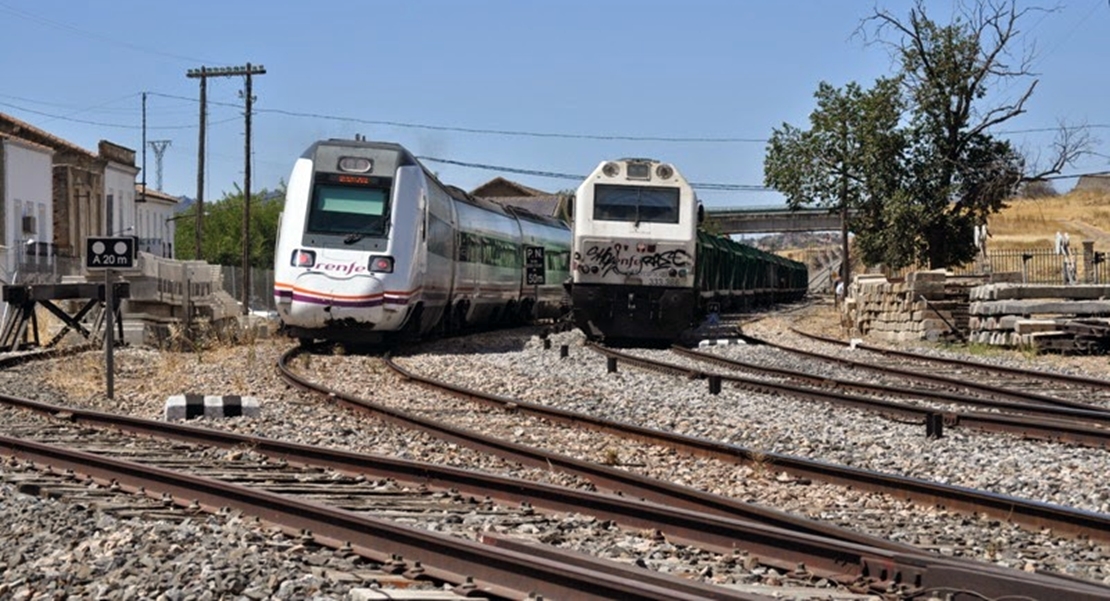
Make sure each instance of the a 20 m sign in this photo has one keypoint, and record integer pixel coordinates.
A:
(109, 253)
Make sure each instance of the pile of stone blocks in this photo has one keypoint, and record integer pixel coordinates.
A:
(1069, 319)
(926, 305)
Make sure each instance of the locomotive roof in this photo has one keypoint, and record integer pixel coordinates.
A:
(404, 158)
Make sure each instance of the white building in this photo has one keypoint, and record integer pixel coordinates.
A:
(26, 200)
(154, 221)
(119, 189)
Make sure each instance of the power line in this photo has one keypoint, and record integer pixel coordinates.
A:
(506, 132)
(451, 128)
(534, 172)
(112, 125)
(96, 36)
(496, 132)
(574, 177)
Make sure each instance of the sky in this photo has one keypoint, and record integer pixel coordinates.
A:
(522, 89)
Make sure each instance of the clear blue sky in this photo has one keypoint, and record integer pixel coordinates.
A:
(727, 69)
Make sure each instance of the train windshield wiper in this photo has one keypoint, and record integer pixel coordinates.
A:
(352, 238)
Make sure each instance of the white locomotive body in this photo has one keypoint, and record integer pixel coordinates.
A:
(372, 245)
(642, 270)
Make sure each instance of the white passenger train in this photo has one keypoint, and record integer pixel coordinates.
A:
(643, 271)
(371, 246)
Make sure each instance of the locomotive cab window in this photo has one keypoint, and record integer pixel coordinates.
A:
(639, 204)
(358, 206)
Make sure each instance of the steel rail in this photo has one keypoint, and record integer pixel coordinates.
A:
(621, 482)
(961, 579)
(1002, 369)
(1054, 429)
(998, 391)
(13, 360)
(1066, 423)
(1030, 513)
(492, 570)
(830, 558)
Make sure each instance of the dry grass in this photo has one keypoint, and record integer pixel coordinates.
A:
(1033, 222)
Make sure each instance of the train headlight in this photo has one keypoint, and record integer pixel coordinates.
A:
(303, 258)
(355, 164)
(381, 264)
(664, 172)
(611, 169)
(639, 171)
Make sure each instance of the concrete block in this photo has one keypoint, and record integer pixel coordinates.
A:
(720, 342)
(190, 406)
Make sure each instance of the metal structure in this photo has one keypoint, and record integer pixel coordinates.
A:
(21, 327)
(159, 147)
(772, 220)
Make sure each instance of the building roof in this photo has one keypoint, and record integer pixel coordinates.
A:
(547, 205)
(155, 194)
(26, 131)
(500, 187)
(26, 143)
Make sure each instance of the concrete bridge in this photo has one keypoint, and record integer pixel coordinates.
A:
(765, 220)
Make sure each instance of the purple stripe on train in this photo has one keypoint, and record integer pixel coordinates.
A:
(315, 300)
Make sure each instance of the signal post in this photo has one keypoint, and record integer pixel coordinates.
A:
(109, 254)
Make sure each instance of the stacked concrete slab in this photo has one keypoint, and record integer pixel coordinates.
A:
(925, 305)
(1042, 317)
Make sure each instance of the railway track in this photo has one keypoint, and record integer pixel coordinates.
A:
(933, 408)
(594, 472)
(309, 500)
(324, 370)
(973, 378)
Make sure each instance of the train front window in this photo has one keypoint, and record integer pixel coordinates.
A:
(338, 209)
(639, 204)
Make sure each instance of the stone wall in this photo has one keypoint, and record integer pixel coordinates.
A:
(996, 310)
(1041, 317)
(926, 305)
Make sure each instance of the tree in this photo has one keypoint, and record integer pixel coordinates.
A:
(850, 160)
(222, 237)
(958, 172)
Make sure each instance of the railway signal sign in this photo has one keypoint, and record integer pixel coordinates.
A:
(535, 273)
(110, 253)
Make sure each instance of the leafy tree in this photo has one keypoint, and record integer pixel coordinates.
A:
(958, 172)
(850, 160)
(914, 157)
(221, 242)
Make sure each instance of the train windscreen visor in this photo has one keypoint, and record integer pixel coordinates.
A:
(340, 209)
(636, 203)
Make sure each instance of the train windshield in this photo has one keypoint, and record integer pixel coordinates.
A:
(636, 203)
(346, 209)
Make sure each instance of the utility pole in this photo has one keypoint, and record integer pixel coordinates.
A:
(203, 73)
(142, 194)
(159, 147)
(255, 70)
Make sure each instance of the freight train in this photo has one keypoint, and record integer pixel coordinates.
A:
(372, 248)
(643, 271)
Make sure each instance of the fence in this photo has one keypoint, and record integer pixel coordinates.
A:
(1036, 266)
(261, 287)
(162, 278)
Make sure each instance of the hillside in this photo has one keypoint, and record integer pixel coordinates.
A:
(1029, 223)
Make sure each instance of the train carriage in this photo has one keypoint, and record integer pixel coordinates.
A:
(372, 246)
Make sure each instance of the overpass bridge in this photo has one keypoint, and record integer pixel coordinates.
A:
(765, 220)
